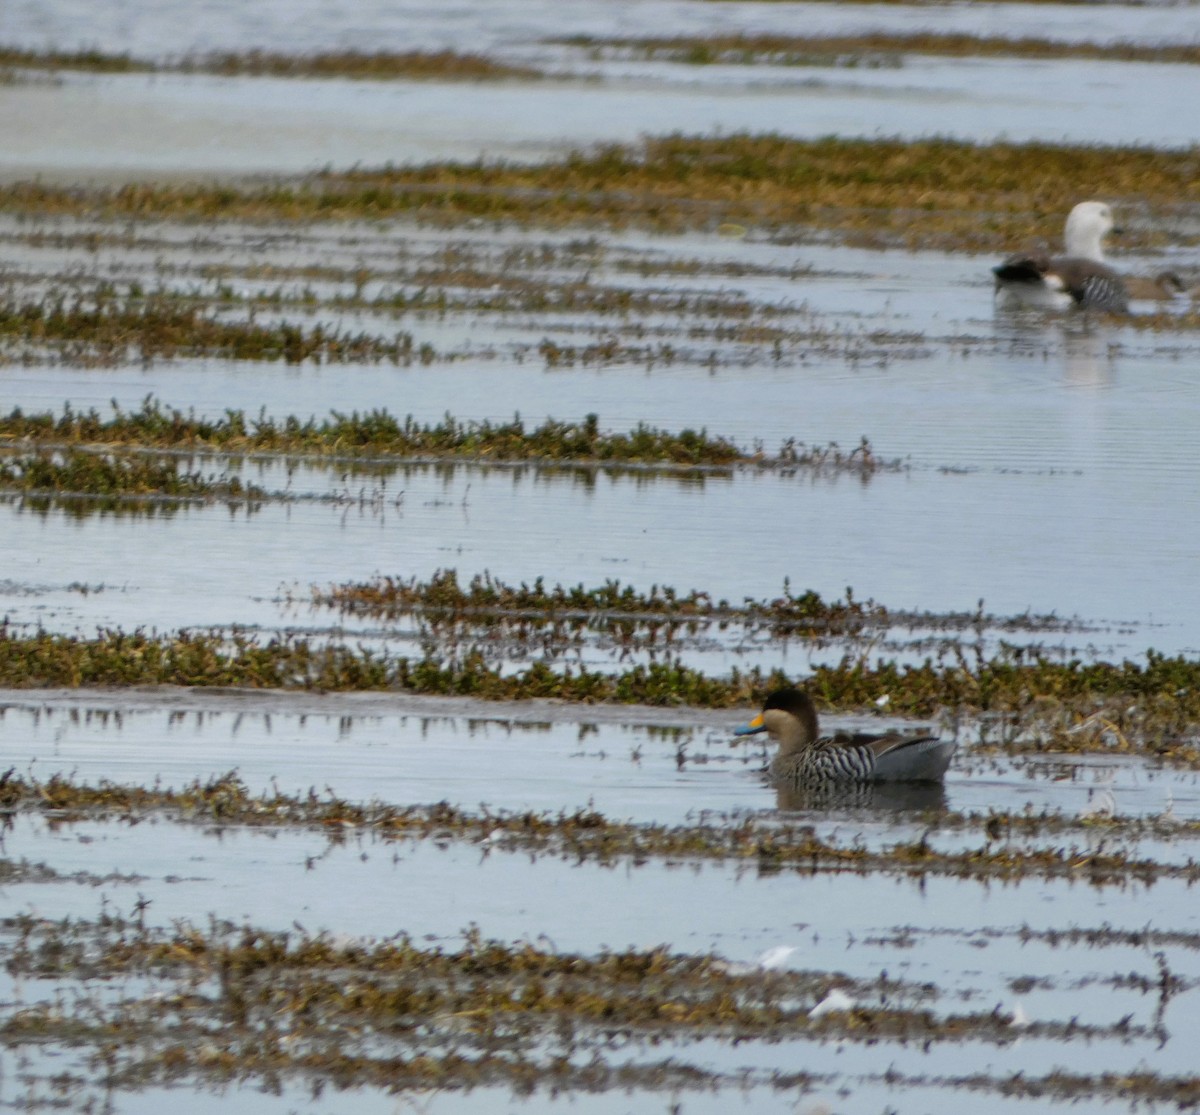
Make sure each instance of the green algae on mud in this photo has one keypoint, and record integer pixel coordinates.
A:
(932, 193)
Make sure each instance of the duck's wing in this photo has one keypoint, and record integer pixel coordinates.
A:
(879, 743)
(845, 738)
(911, 758)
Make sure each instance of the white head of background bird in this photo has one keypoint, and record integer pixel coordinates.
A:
(1087, 226)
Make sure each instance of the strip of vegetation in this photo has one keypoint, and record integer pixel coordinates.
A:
(401, 987)
(81, 507)
(634, 991)
(379, 434)
(1102, 936)
(380, 65)
(106, 330)
(1003, 824)
(25, 872)
(875, 48)
(103, 329)
(89, 61)
(76, 472)
(1041, 705)
(1168, 319)
(1182, 1092)
(430, 289)
(486, 597)
(933, 193)
(527, 294)
(487, 292)
(192, 659)
(236, 1002)
(582, 834)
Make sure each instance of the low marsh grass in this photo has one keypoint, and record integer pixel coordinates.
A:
(931, 193)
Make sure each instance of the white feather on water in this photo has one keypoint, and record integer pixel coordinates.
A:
(836, 1002)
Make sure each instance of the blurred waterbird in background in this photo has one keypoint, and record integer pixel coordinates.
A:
(1080, 277)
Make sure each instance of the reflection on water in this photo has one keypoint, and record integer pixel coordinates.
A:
(884, 797)
(1085, 346)
(1088, 359)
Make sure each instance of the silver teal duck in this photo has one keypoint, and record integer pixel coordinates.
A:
(805, 759)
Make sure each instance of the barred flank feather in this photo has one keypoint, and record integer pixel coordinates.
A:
(825, 763)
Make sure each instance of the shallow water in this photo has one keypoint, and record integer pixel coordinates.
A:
(965, 940)
(715, 538)
(144, 29)
(649, 766)
(199, 125)
(965, 937)
(996, 418)
(1049, 466)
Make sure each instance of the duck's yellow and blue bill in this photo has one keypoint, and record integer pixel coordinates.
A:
(756, 725)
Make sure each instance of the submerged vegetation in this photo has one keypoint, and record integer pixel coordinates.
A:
(585, 835)
(222, 1003)
(105, 329)
(929, 193)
